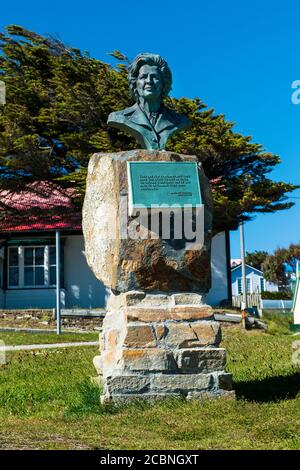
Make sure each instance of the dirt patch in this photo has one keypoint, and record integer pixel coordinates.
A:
(45, 320)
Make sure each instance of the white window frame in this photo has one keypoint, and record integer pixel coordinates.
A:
(239, 284)
(21, 267)
(262, 281)
(248, 284)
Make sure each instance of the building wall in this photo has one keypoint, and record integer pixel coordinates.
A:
(254, 277)
(82, 288)
(219, 287)
(270, 287)
(31, 298)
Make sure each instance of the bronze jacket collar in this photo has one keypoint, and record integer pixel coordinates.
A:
(136, 115)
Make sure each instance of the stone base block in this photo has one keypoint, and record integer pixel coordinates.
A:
(177, 313)
(133, 398)
(182, 383)
(157, 345)
(152, 384)
(127, 384)
(201, 360)
(147, 359)
(211, 395)
(124, 398)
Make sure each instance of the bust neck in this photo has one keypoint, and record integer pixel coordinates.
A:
(148, 106)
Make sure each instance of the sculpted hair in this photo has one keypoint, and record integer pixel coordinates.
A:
(149, 59)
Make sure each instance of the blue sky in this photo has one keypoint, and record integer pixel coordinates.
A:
(239, 57)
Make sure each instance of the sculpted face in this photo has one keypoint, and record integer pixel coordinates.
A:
(149, 120)
(149, 83)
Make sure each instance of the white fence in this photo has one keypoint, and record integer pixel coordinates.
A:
(255, 300)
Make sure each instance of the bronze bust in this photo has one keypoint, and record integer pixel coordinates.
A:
(149, 121)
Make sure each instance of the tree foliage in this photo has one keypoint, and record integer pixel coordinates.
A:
(256, 258)
(279, 266)
(58, 100)
(274, 271)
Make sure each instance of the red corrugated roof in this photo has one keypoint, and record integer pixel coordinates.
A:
(41, 206)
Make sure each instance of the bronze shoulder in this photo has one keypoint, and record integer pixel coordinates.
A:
(120, 116)
(180, 120)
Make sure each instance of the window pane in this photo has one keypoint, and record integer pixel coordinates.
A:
(52, 255)
(39, 256)
(39, 277)
(13, 277)
(28, 277)
(28, 256)
(52, 275)
(13, 257)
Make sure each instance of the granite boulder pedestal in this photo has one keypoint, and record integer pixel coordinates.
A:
(159, 337)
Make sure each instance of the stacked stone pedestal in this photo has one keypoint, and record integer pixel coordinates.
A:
(159, 338)
(161, 345)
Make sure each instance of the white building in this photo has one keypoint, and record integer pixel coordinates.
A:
(255, 281)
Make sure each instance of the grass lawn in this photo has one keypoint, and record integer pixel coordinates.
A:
(47, 401)
(15, 338)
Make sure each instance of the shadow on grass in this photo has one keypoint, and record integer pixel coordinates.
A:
(271, 389)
